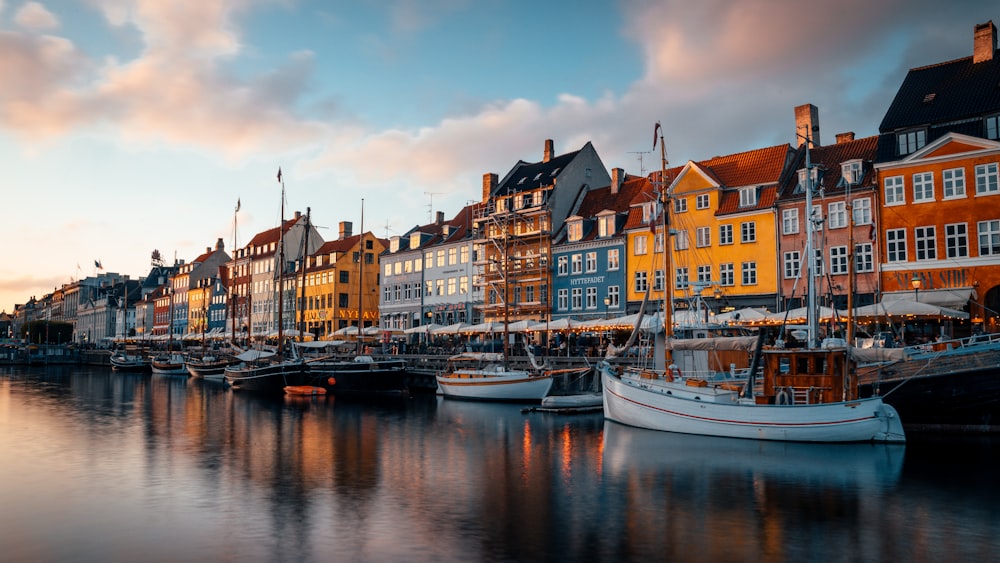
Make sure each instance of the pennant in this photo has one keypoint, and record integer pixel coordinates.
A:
(238, 199)
(656, 130)
(279, 174)
(97, 264)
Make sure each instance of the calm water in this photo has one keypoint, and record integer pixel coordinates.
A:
(99, 466)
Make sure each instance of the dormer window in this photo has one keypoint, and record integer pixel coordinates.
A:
(394, 244)
(606, 225)
(575, 229)
(445, 231)
(415, 240)
(647, 211)
(910, 141)
(851, 172)
(993, 127)
(537, 177)
(748, 197)
(801, 187)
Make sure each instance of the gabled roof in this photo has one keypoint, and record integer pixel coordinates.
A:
(265, 238)
(527, 176)
(755, 167)
(829, 159)
(948, 91)
(601, 199)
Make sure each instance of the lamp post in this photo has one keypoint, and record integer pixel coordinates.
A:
(916, 283)
(607, 305)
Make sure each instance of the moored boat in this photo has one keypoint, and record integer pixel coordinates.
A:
(168, 364)
(483, 376)
(210, 367)
(123, 361)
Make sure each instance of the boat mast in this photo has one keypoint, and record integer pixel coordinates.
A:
(281, 267)
(302, 291)
(361, 276)
(811, 317)
(232, 281)
(668, 300)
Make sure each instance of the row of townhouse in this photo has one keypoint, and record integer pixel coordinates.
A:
(914, 209)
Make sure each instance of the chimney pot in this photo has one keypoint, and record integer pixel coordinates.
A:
(440, 218)
(489, 183)
(807, 123)
(345, 229)
(845, 137)
(617, 177)
(547, 156)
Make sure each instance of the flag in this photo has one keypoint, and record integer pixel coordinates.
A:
(656, 130)
(238, 204)
(97, 264)
(279, 174)
(871, 233)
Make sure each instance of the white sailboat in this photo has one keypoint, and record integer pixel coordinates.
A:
(805, 395)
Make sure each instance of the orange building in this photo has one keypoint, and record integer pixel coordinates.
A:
(940, 226)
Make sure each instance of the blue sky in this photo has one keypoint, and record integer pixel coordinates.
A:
(133, 125)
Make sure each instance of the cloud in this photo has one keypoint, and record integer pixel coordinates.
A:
(33, 15)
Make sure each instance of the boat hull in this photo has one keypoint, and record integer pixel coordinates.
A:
(132, 364)
(481, 385)
(269, 378)
(212, 370)
(171, 366)
(387, 377)
(645, 405)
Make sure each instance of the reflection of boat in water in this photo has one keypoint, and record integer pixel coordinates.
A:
(627, 449)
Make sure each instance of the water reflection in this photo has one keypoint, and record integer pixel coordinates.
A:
(101, 466)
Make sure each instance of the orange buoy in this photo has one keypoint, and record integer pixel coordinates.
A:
(332, 380)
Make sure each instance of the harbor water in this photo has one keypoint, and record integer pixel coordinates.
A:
(102, 466)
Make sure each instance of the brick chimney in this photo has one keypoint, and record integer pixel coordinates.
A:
(547, 156)
(807, 123)
(345, 229)
(439, 218)
(489, 183)
(219, 245)
(617, 177)
(984, 42)
(845, 137)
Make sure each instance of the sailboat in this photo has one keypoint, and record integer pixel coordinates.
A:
(804, 394)
(264, 370)
(122, 360)
(169, 363)
(487, 376)
(363, 374)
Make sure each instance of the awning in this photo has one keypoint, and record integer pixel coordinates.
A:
(951, 297)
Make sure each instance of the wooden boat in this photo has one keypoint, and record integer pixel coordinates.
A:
(308, 390)
(123, 361)
(483, 376)
(210, 367)
(168, 364)
(805, 395)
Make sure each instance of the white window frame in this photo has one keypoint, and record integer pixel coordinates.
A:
(953, 183)
(748, 232)
(748, 197)
(613, 259)
(925, 242)
(864, 258)
(703, 237)
(987, 179)
(790, 221)
(923, 187)
(836, 214)
(838, 260)
(988, 235)
(791, 264)
(895, 245)
(562, 266)
(956, 240)
(894, 190)
(702, 201)
(727, 274)
(748, 273)
(725, 234)
(639, 245)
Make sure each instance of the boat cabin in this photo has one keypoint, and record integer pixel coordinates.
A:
(807, 376)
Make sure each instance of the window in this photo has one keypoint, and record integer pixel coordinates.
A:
(681, 278)
(591, 297)
(838, 260)
(923, 186)
(704, 272)
(789, 221)
(429, 288)
(562, 267)
(399, 292)
(989, 237)
(591, 262)
(342, 300)
(388, 294)
(956, 240)
(837, 214)
(613, 259)
(440, 259)
(792, 262)
(894, 190)
(953, 181)
(606, 225)
(818, 262)
(863, 258)
(748, 197)
(681, 241)
(439, 287)
(658, 280)
(640, 245)
(463, 285)
(725, 234)
(562, 299)
(727, 274)
(748, 232)
(816, 218)
(851, 172)
(993, 127)
(577, 264)
(749, 273)
(910, 141)
(452, 256)
(986, 179)
(925, 243)
(575, 230)
(345, 276)
(614, 296)
(703, 237)
(862, 211)
(701, 201)
(680, 205)
(388, 269)
(895, 245)
(641, 282)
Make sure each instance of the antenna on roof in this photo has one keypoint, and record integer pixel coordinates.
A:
(430, 206)
(642, 171)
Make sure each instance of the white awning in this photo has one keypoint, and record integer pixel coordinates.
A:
(952, 297)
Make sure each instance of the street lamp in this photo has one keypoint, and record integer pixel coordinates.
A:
(607, 305)
(915, 283)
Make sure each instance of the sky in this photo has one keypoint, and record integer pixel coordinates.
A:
(128, 126)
